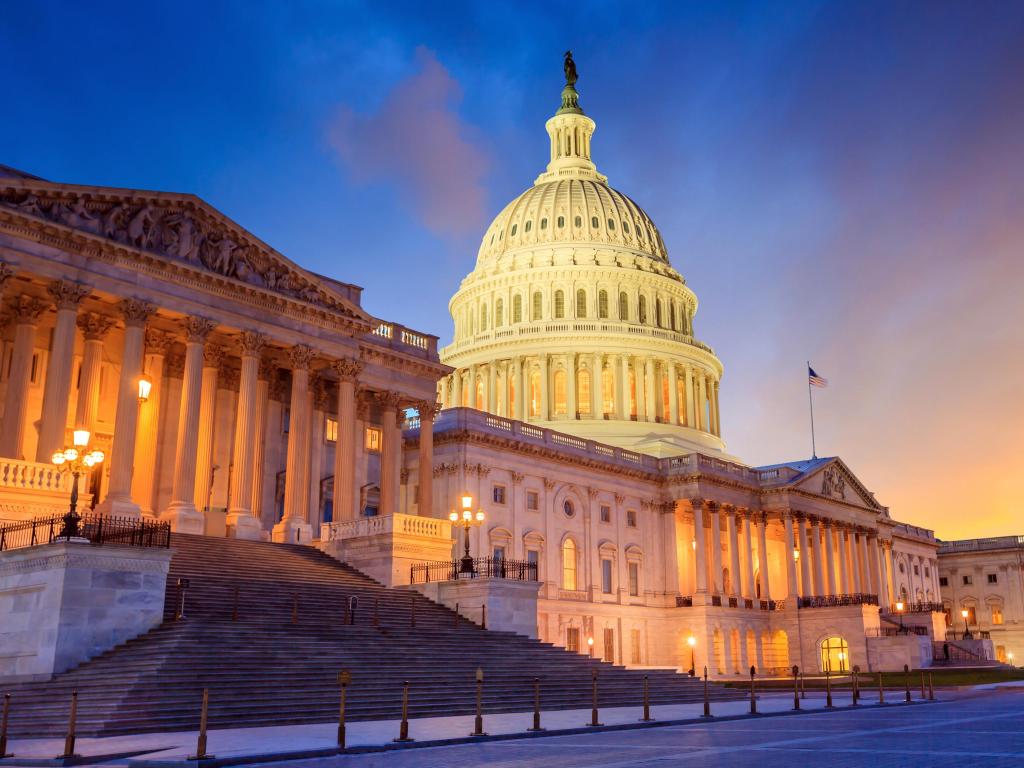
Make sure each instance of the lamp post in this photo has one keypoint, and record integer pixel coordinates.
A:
(1009, 658)
(76, 458)
(590, 646)
(692, 642)
(899, 610)
(967, 633)
(468, 520)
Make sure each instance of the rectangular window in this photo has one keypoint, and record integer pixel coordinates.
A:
(631, 518)
(572, 639)
(373, 439)
(917, 571)
(968, 581)
(972, 617)
(943, 581)
(606, 513)
(997, 614)
(532, 500)
(634, 579)
(498, 553)
(533, 557)
(927, 571)
(609, 644)
(498, 494)
(634, 641)
(331, 430)
(606, 576)
(992, 578)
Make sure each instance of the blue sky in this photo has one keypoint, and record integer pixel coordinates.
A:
(838, 182)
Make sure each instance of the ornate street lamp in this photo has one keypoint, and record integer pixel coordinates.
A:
(468, 520)
(967, 633)
(76, 458)
(590, 646)
(899, 610)
(145, 387)
(692, 642)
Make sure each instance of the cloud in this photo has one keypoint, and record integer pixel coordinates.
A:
(417, 141)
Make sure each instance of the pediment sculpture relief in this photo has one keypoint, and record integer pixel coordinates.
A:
(176, 232)
(833, 483)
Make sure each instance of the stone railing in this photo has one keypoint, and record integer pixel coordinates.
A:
(407, 525)
(29, 489)
(405, 339)
(980, 545)
(33, 476)
(573, 594)
(834, 601)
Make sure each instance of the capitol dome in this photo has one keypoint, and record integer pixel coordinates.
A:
(574, 319)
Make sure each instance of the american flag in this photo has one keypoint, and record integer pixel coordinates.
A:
(815, 380)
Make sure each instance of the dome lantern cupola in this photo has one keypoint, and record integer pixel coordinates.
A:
(570, 131)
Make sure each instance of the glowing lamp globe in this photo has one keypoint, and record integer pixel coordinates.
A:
(145, 387)
(81, 437)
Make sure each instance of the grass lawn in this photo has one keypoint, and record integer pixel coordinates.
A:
(940, 677)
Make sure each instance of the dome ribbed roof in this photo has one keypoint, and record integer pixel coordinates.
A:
(572, 211)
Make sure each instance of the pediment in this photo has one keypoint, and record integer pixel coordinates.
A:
(177, 227)
(834, 480)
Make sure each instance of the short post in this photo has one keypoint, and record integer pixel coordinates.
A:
(647, 702)
(707, 701)
(536, 706)
(295, 609)
(483, 615)
(3, 726)
(828, 689)
(881, 690)
(593, 700)
(906, 680)
(753, 691)
(803, 688)
(403, 728)
(855, 685)
(923, 694)
(353, 604)
(931, 692)
(179, 613)
(69, 741)
(344, 678)
(478, 723)
(376, 613)
(201, 743)
(234, 607)
(796, 686)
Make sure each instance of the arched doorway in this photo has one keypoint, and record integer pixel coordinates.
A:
(835, 655)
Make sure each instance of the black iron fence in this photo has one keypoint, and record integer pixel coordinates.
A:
(833, 601)
(907, 629)
(98, 529)
(478, 568)
(686, 601)
(916, 608)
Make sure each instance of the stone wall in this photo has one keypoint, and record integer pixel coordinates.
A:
(511, 605)
(64, 603)
(889, 654)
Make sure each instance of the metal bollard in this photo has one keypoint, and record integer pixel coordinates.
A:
(753, 692)
(3, 727)
(881, 690)
(707, 701)
(593, 700)
(536, 706)
(855, 685)
(344, 678)
(295, 609)
(931, 691)
(803, 689)
(828, 689)
(403, 728)
(923, 694)
(483, 615)
(906, 680)
(796, 686)
(69, 741)
(478, 723)
(647, 702)
(201, 743)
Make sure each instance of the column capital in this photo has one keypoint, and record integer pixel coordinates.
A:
(197, 329)
(426, 409)
(158, 342)
(66, 294)
(697, 503)
(94, 326)
(251, 343)
(388, 400)
(347, 368)
(213, 355)
(301, 357)
(6, 272)
(729, 509)
(713, 506)
(135, 312)
(27, 309)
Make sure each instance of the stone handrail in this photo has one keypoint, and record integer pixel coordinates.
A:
(410, 525)
(975, 545)
(406, 339)
(34, 476)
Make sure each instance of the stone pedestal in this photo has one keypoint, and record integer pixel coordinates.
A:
(243, 526)
(292, 530)
(511, 605)
(184, 519)
(62, 604)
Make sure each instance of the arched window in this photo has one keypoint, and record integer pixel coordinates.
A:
(561, 222)
(537, 300)
(513, 232)
(560, 393)
(544, 223)
(593, 222)
(499, 313)
(517, 309)
(602, 305)
(583, 385)
(835, 655)
(578, 221)
(529, 226)
(611, 225)
(632, 394)
(657, 313)
(559, 304)
(479, 396)
(483, 318)
(642, 313)
(581, 303)
(569, 565)
(623, 306)
(535, 392)
(608, 390)
(625, 227)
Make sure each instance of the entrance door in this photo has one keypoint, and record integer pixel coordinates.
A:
(609, 645)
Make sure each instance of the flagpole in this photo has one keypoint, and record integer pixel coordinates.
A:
(810, 402)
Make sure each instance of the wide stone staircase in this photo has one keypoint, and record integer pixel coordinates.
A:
(267, 629)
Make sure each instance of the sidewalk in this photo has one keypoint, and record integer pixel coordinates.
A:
(239, 745)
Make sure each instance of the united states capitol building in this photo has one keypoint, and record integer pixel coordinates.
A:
(234, 393)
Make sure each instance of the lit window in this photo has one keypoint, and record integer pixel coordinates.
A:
(583, 385)
(607, 390)
(561, 404)
(634, 579)
(572, 639)
(532, 500)
(498, 494)
(606, 513)
(535, 392)
(569, 565)
(631, 518)
(373, 439)
(331, 430)
(606, 576)
(997, 614)
(634, 639)
(835, 655)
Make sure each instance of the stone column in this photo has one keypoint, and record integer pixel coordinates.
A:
(830, 559)
(762, 556)
(876, 583)
(716, 548)
(293, 527)
(457, 387)
(597, 388)
(241, 524)
(545, 387)
(702, 398)
(622, 388)
(673, 393)
(348, 371)
(735, 579)
(213, 356)
(844, 565)
(318, 404)
(891, 571)
(688, 382)
(716, 421)
(94, 329)
(855, 583)
(389, 481)
(492, 387)
(867, 586)
(641, 388)
(118, 502)
(701, 563)
(806, 588)
(259, 435)
(425, 505)
(147, 437)
(651, 391)
(748, 540)
(26, 311)
(473, 371)
(787, 555)
(181, 513)
(67, 296)
(571, 402)
(816, 555)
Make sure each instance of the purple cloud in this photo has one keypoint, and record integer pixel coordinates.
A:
(417, 141)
